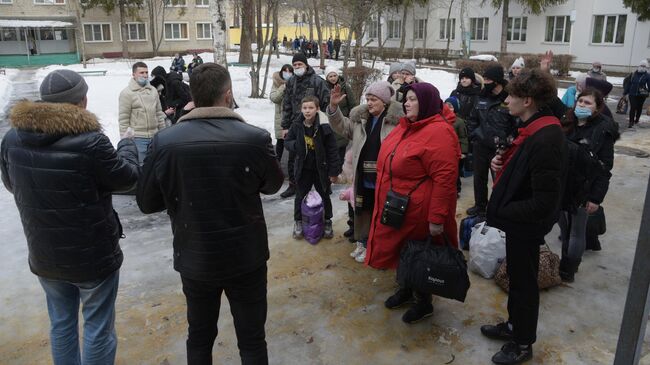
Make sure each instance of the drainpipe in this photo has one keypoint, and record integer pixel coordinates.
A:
(26, 44)
(629, 62)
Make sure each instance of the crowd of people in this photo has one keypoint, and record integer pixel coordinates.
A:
(550, 161)
(331, 48)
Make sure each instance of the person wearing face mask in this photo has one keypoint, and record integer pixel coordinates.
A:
(366, 128)
(596, 71)
(420, 158)
(586, 124)
(636, 86)
(304, 83)
(466, 92)
(277, 96)
(489, 122)
(140, 109)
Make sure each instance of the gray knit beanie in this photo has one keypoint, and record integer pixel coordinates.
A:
(408, 66)
(394, 67)
(381, 89)
(63, 86)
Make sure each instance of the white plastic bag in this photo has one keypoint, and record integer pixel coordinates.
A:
(487, 249)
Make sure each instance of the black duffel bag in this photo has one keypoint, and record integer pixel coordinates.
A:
(433, 269)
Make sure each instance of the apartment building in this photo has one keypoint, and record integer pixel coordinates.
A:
(602, 30)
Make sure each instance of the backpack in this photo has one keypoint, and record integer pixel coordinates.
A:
(583, 167)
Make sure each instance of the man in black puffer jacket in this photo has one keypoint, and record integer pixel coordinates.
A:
(489, 120)
(208, 170)
(62, 169)
(304, 82)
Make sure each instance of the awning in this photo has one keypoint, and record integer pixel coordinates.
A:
(4, 23)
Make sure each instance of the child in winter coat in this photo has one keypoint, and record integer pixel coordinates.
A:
(317, 160)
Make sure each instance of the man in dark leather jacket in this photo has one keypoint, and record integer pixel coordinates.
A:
(488, 125)
(61, 170)
(208, 170)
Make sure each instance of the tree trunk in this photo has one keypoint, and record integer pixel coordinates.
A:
(380, 44)
(274, 34)
(124, 29)
(448, 35)
(319, 33)
(255, 69)
(402, 41)
(463, 27)
(426, 28)
(504, 26)
(247, 30)
(310, 22)
(413, 39)
(348, 48)
(79, 34)
(218, 13)
(358, 47)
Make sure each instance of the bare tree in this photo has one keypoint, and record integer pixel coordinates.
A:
(319, 33)
(79, 33)
(156, 11)
(262, 43)
(274, 34)
(463, 27)
(402, 41)
(448, 27)
(247, 30)
(218, 11)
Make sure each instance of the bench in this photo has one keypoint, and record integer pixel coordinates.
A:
(92, 72)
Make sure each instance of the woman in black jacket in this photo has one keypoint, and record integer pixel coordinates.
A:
(586, 125)
(525, 204)
(466, 92)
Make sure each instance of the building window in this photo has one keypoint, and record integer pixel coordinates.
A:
(136, 32)
(6, 2)
(448, 29)
(558, 29)
(175, 3)
(394, 29)
(97, 32)
(517, 29)
(202, 3)
(46, 34)
(8, 34)
(479, 29)
(176, 31)
(203, 31)
(373, 32)
(419, 28)
(49, 2)
(609, 29)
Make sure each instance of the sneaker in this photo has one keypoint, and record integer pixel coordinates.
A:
(418, 311)
(291, 191)
(402, 296)
(500, 331)
(361, 257)
(512, 353)
(328, 232)
(297, 230)
(357, 250)
(476, 210)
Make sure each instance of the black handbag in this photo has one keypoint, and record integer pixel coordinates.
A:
(396, 204)
(433, 269)
(596, 223)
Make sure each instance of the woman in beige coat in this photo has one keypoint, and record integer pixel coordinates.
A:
(367, 126)
(277, 95)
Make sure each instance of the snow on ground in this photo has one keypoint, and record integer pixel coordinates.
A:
(5, 87)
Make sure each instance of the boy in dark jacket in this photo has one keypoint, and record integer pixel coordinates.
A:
(317, 160)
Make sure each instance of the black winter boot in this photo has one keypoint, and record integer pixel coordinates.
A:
(402, 296)
(421, 309)
(291, 191)
(568, 269)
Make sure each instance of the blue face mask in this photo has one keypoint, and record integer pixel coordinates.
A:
(142, 81)
(582, 113)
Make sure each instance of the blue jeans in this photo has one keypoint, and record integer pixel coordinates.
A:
(98, 309)
(142, 144)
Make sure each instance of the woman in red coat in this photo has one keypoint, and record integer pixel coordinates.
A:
(425, 150)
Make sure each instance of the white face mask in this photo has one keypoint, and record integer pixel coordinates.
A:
(299, 71)
(286, 75)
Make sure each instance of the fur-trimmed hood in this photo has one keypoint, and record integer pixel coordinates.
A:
(393, 114)
(54, 119)
(277, 79)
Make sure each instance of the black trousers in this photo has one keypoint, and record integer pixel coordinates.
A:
(522, 257)
(279, 149)
(247, 297)
(459, 184)
(636, 108)
(309, 178)
(482, 157)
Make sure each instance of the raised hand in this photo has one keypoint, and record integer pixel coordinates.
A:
(545, 61)
(336, 96)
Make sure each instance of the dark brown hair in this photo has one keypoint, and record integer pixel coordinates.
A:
(310, 98)
(598, 97)
(208, 84)
(569, 121)
(138, 64)
(534, 83)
